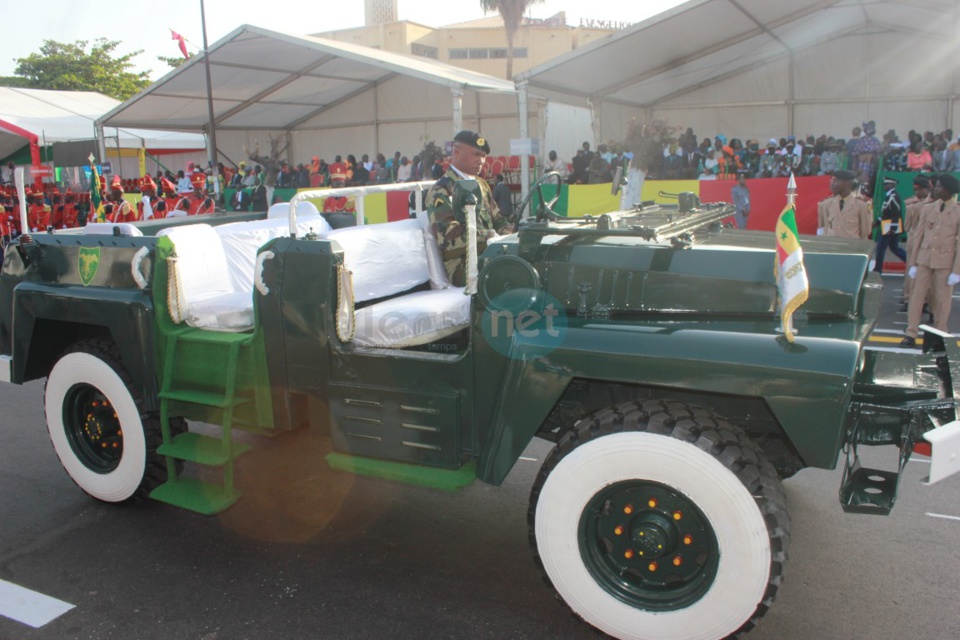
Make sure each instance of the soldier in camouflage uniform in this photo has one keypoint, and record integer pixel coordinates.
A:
(448, 224)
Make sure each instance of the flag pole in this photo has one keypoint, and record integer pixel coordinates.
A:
(212, 152)
(789, 329)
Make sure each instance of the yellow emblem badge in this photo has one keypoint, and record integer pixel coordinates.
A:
(88, 264)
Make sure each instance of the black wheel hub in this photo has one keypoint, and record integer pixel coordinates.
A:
(648, 545)
(92, 428)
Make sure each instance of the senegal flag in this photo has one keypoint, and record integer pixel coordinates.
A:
(788, 268)
(96, 204)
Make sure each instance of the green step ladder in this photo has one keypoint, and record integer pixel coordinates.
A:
(201, 369)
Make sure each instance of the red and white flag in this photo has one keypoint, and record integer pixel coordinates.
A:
(183, 44)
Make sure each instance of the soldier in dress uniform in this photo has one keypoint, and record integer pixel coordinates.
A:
(913, 206)
(34, 209)
(844, 215)
(5, 226)
(170, 197)
(120, 209)
(935, 267)
(151, 206)
(199, 202)
(69, 210)
(448, 223)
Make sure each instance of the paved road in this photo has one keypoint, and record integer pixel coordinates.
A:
(313, 553)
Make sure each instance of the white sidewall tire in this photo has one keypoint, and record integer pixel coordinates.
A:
(739, 526)
(83, 368)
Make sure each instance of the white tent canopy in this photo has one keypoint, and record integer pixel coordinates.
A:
(326, 97)
(64, 116)
(756, 68)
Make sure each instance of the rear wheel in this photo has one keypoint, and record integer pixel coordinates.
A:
(658, 521)
(105, 440)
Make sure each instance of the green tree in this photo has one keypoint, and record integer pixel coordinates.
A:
(512, 13)
(70, 67)
(173, 62)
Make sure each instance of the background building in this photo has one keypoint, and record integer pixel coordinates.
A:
(477, 45)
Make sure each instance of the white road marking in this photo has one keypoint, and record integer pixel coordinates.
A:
(940, 515)
(528, 459)
(29, 607)
(893, 331)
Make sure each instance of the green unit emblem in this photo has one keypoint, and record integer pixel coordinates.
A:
(88, 264)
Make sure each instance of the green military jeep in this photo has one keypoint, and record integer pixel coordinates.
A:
(644, 343)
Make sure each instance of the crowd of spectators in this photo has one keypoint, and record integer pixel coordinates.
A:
(685, 157)
(340, 173)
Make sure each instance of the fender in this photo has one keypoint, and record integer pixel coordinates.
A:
(809, 404)
(124, 314)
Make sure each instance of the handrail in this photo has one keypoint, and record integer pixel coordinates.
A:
(351, 191)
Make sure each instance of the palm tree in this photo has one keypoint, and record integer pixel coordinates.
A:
(512, 13)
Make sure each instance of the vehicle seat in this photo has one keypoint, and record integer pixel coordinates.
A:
(387, 260)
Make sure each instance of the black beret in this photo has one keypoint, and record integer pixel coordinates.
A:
(843, 174)
(921, 181)
(473, 139)
(950, 183)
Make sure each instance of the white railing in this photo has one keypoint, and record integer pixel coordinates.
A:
(358, 192)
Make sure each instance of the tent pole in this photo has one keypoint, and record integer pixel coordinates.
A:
(594, 122)
(101, 141)
(212, 138)
(457, 109)
(792, 104)
(524, 135)
(376, 120)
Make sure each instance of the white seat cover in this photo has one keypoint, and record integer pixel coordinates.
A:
(438, 270)
(386, 259)
(282, 210)
(224, 312)
(241, 240)
(210, 301)
(414, 319)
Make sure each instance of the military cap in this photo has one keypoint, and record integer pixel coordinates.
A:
(921, 180)
(473, 139)
(950, 183)
(843, 174)
(889, 180)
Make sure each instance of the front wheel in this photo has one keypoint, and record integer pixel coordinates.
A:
(105, 440)
(658, 521)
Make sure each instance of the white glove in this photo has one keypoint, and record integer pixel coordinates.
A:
(953, 279)
(912, 272)
(821, 231)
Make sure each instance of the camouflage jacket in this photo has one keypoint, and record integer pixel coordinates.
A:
(450, 227)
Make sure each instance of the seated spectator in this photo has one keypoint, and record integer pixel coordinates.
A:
(940, 154)
(599, 171)
(674, 163)
(918, 158)
(403, 171)
(554, 163)
(830, 158)
(709, 166)
(750, 159)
